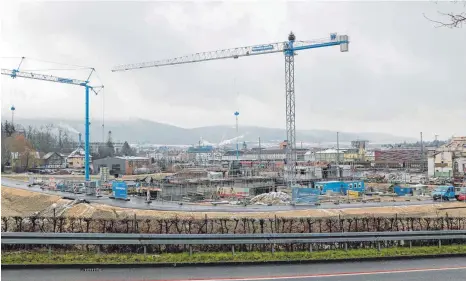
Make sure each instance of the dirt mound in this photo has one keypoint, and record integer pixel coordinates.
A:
(18, 202)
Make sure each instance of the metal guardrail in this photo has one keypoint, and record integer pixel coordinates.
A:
(39, 238)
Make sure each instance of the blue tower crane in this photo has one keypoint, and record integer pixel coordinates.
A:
(13, 73)
(288, 48)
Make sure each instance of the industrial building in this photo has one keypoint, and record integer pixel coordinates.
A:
(261, 154)
(327, 155)
(401, 158)
(122, 165)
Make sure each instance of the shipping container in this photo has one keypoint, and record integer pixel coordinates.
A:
(339, 186)
(120, 190)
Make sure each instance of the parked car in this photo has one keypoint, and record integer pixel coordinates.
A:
(461, 197)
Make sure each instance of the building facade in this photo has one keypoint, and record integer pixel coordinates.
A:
(76, 159)
(54, 160)
(448, 160)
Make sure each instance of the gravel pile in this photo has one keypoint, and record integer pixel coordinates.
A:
(271, 198)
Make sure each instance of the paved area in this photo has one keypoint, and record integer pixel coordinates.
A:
(445, 269)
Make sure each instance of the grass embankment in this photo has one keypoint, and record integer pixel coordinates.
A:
(41, 257)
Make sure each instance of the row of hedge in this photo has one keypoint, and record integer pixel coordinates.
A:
(230, 225)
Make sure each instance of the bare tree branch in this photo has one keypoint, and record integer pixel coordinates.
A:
(453, 20)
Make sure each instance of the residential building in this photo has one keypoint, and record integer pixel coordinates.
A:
(448, 160)
(21, 161)
(54, 160)
(76, 159)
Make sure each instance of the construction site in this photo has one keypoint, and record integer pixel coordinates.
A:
(237, 176)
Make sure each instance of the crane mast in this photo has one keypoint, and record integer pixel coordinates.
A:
(14, 73)
(288, 48)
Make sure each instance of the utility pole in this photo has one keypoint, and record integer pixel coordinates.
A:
(260, 154)
(237, 147)
(422, 155)
(338, 155)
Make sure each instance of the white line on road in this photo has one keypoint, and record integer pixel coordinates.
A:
(322, 275)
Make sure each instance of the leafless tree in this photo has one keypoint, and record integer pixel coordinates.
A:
(451, 19)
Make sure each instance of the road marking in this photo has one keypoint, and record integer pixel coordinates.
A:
(320, 275)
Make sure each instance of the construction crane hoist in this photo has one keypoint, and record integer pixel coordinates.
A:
(14, 73)
(288, 48)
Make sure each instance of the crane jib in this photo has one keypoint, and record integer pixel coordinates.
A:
(262, 48)
(64, 80)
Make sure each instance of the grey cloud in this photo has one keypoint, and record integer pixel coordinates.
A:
(398, 62)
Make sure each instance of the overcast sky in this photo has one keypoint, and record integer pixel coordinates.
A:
(402, 75)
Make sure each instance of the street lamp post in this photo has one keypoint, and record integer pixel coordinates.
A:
(237, 147)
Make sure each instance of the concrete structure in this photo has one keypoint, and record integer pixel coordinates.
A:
(360, 145)
(122, 165)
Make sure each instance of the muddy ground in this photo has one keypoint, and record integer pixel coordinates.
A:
(18, 202)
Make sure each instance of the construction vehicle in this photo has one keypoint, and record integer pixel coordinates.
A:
(444, 193)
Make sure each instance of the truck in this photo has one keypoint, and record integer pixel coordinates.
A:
(444, 192)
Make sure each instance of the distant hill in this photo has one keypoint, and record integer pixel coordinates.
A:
(139, 130)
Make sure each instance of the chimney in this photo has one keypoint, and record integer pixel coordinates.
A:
(79, 139)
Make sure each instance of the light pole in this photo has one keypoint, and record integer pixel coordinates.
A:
(338, 156)
(237, 147)
(13, 108)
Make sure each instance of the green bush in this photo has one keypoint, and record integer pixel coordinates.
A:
(43, 257)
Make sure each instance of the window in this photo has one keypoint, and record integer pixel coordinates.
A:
(116, 167)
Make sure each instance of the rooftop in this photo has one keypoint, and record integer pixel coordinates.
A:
(132, 158)
(329, 151)
(78, 152)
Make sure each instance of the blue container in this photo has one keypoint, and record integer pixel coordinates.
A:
(355, 186)
(341, 187)
(402, 191)
(120, 190)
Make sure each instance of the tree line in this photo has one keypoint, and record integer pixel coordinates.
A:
(24, 147)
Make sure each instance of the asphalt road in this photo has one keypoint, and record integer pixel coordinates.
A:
(445, 269)
(139, 203)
